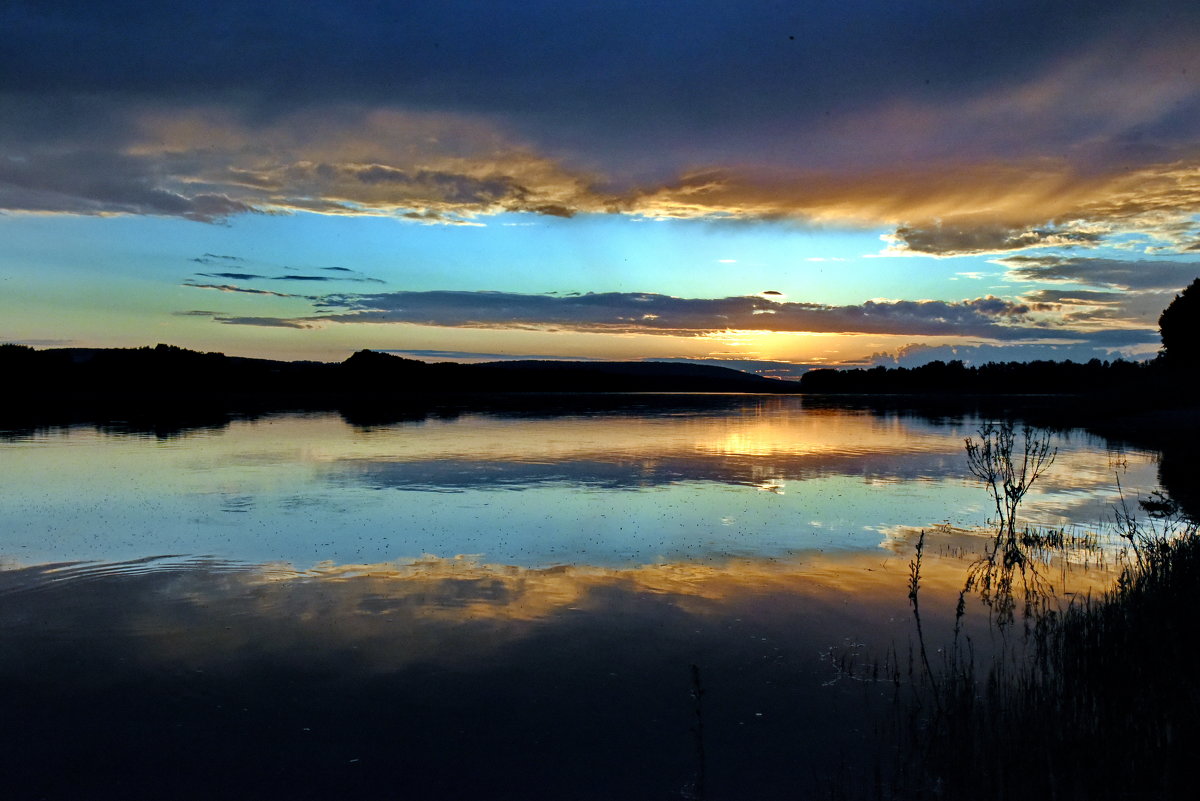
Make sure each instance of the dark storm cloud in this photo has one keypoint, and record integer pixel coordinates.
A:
(1015, 135)
(609, 65)
(626, 312)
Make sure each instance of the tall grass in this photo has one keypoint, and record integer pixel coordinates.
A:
(1097, 699)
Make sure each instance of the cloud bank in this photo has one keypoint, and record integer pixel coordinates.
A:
(631, 312)
(1014, 136)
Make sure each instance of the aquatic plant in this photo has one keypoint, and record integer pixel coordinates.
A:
(994, 461)
(1008, 473)
(1095, 701)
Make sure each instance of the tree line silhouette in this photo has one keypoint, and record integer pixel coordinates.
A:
(1174, 369)
(177, 374)
(993, 378)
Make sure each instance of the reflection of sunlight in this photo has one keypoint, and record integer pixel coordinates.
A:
(815, 433)
(745, 443)
(762, 428)
(308, 487)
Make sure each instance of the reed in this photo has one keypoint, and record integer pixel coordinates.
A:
(1092, 699)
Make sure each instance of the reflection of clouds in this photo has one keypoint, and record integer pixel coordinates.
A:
(1080, 488)
(604, 471)
(432, 609)
(767, 442)
(447, 610)
(439, 662)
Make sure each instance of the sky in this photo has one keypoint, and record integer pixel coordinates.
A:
(768, 185)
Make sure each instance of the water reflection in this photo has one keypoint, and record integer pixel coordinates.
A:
(699, 480)
(445, 678)
(486, 605)
(439, 678)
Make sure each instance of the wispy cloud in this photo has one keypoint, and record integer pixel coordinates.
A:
(233, 276)
(476, 356)
(245, 290)
(339, 274)
(216, 258)
(266, 322)
(362, 279)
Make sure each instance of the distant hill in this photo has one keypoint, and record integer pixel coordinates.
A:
(175, 374)
(410, 375)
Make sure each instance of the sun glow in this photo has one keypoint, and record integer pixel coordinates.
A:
(737, 337)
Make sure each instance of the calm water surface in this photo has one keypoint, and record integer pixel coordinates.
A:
(483, 605)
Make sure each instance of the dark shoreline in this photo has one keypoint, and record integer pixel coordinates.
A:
(1129, 417)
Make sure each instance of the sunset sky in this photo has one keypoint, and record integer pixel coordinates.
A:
(773, 185)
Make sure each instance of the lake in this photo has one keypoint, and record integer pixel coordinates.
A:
(637, 597)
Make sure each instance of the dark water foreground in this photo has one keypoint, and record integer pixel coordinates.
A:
(444, 679)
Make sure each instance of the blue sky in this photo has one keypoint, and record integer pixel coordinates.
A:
(832, 183)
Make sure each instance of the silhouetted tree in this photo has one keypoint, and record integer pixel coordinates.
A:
(1179, 326)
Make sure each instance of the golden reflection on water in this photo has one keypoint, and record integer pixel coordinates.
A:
(459, 610)
(818, 432)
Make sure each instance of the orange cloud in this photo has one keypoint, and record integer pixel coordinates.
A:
(446, 168)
